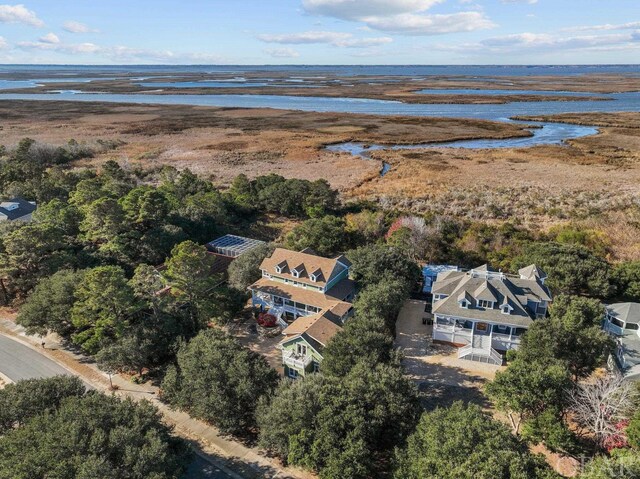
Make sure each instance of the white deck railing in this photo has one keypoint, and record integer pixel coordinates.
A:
(291, 358)
(489, 353)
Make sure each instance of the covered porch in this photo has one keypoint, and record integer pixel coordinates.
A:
(465, 332)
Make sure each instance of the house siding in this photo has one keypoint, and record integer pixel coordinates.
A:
(292, 346)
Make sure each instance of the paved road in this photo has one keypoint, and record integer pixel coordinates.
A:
(201, 469)
(18, 361)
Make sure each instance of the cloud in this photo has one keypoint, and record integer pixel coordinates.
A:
(337, 39)
(406, 17)
(19, 14)
(529, 2)
(3, 43)
(364, 42)
(305, 37)
(281, 52)
(50, 38)
(532, 43)
(72, 48)
(358, 9)
(77, 27)
(410, 24)
(608, 26)
(121, 53)
(546, 41)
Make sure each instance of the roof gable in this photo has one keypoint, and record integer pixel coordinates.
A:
(481, 284)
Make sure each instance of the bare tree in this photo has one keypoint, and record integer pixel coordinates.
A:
(600, 406)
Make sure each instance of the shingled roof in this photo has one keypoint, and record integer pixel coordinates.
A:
(283, 262)
(483, 284)
(316, 330)
(16, 208)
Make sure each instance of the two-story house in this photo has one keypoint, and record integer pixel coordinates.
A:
(485, 312)
(310, 296)
(295, 284)
(622, 321)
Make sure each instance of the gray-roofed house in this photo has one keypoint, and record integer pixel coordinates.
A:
(16, 209)
(295, 284)
(622, 321)
(485, 312)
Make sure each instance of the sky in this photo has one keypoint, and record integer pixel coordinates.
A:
(329, 32)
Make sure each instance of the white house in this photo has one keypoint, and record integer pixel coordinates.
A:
(485, 312)
(622, 321)
(16, 209)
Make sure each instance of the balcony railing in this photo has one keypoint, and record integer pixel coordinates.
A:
(298, 361)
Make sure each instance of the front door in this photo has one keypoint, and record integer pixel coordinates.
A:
(482, 329)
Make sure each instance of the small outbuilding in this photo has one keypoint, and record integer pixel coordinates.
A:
(16, 209)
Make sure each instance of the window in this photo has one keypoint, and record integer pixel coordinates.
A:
(313, 277)
(292, 373)
(316, 367)
(277, 300)
(631, 326)
(302, 349)
(288, 302)
(501, 329)
(506, 309)
(485, 304)
(278, 269)
(445, 321)
(464, 304)
(464, 324)
(519, 331)
(617, 322)
(295, 273)
(482, 327)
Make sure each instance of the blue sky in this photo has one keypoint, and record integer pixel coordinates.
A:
(320, 31)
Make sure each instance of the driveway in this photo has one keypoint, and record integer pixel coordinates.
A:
(436, 368)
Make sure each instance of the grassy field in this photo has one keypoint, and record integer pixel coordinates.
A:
(593, 181)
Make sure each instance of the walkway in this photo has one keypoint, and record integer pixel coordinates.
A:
(222, 458)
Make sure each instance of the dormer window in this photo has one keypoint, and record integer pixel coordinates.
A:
(295, 273)
(485, 304)
(280, 267)
(313, 277)
(464, 304)
(506, 308)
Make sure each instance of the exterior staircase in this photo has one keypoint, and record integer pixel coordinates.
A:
(480, 350)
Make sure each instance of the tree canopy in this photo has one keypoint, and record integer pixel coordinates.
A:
(218, 380)
(372, 263)
(88, 436)
(349, 425)
(462, 442)
(326, 236)
(571, 268)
